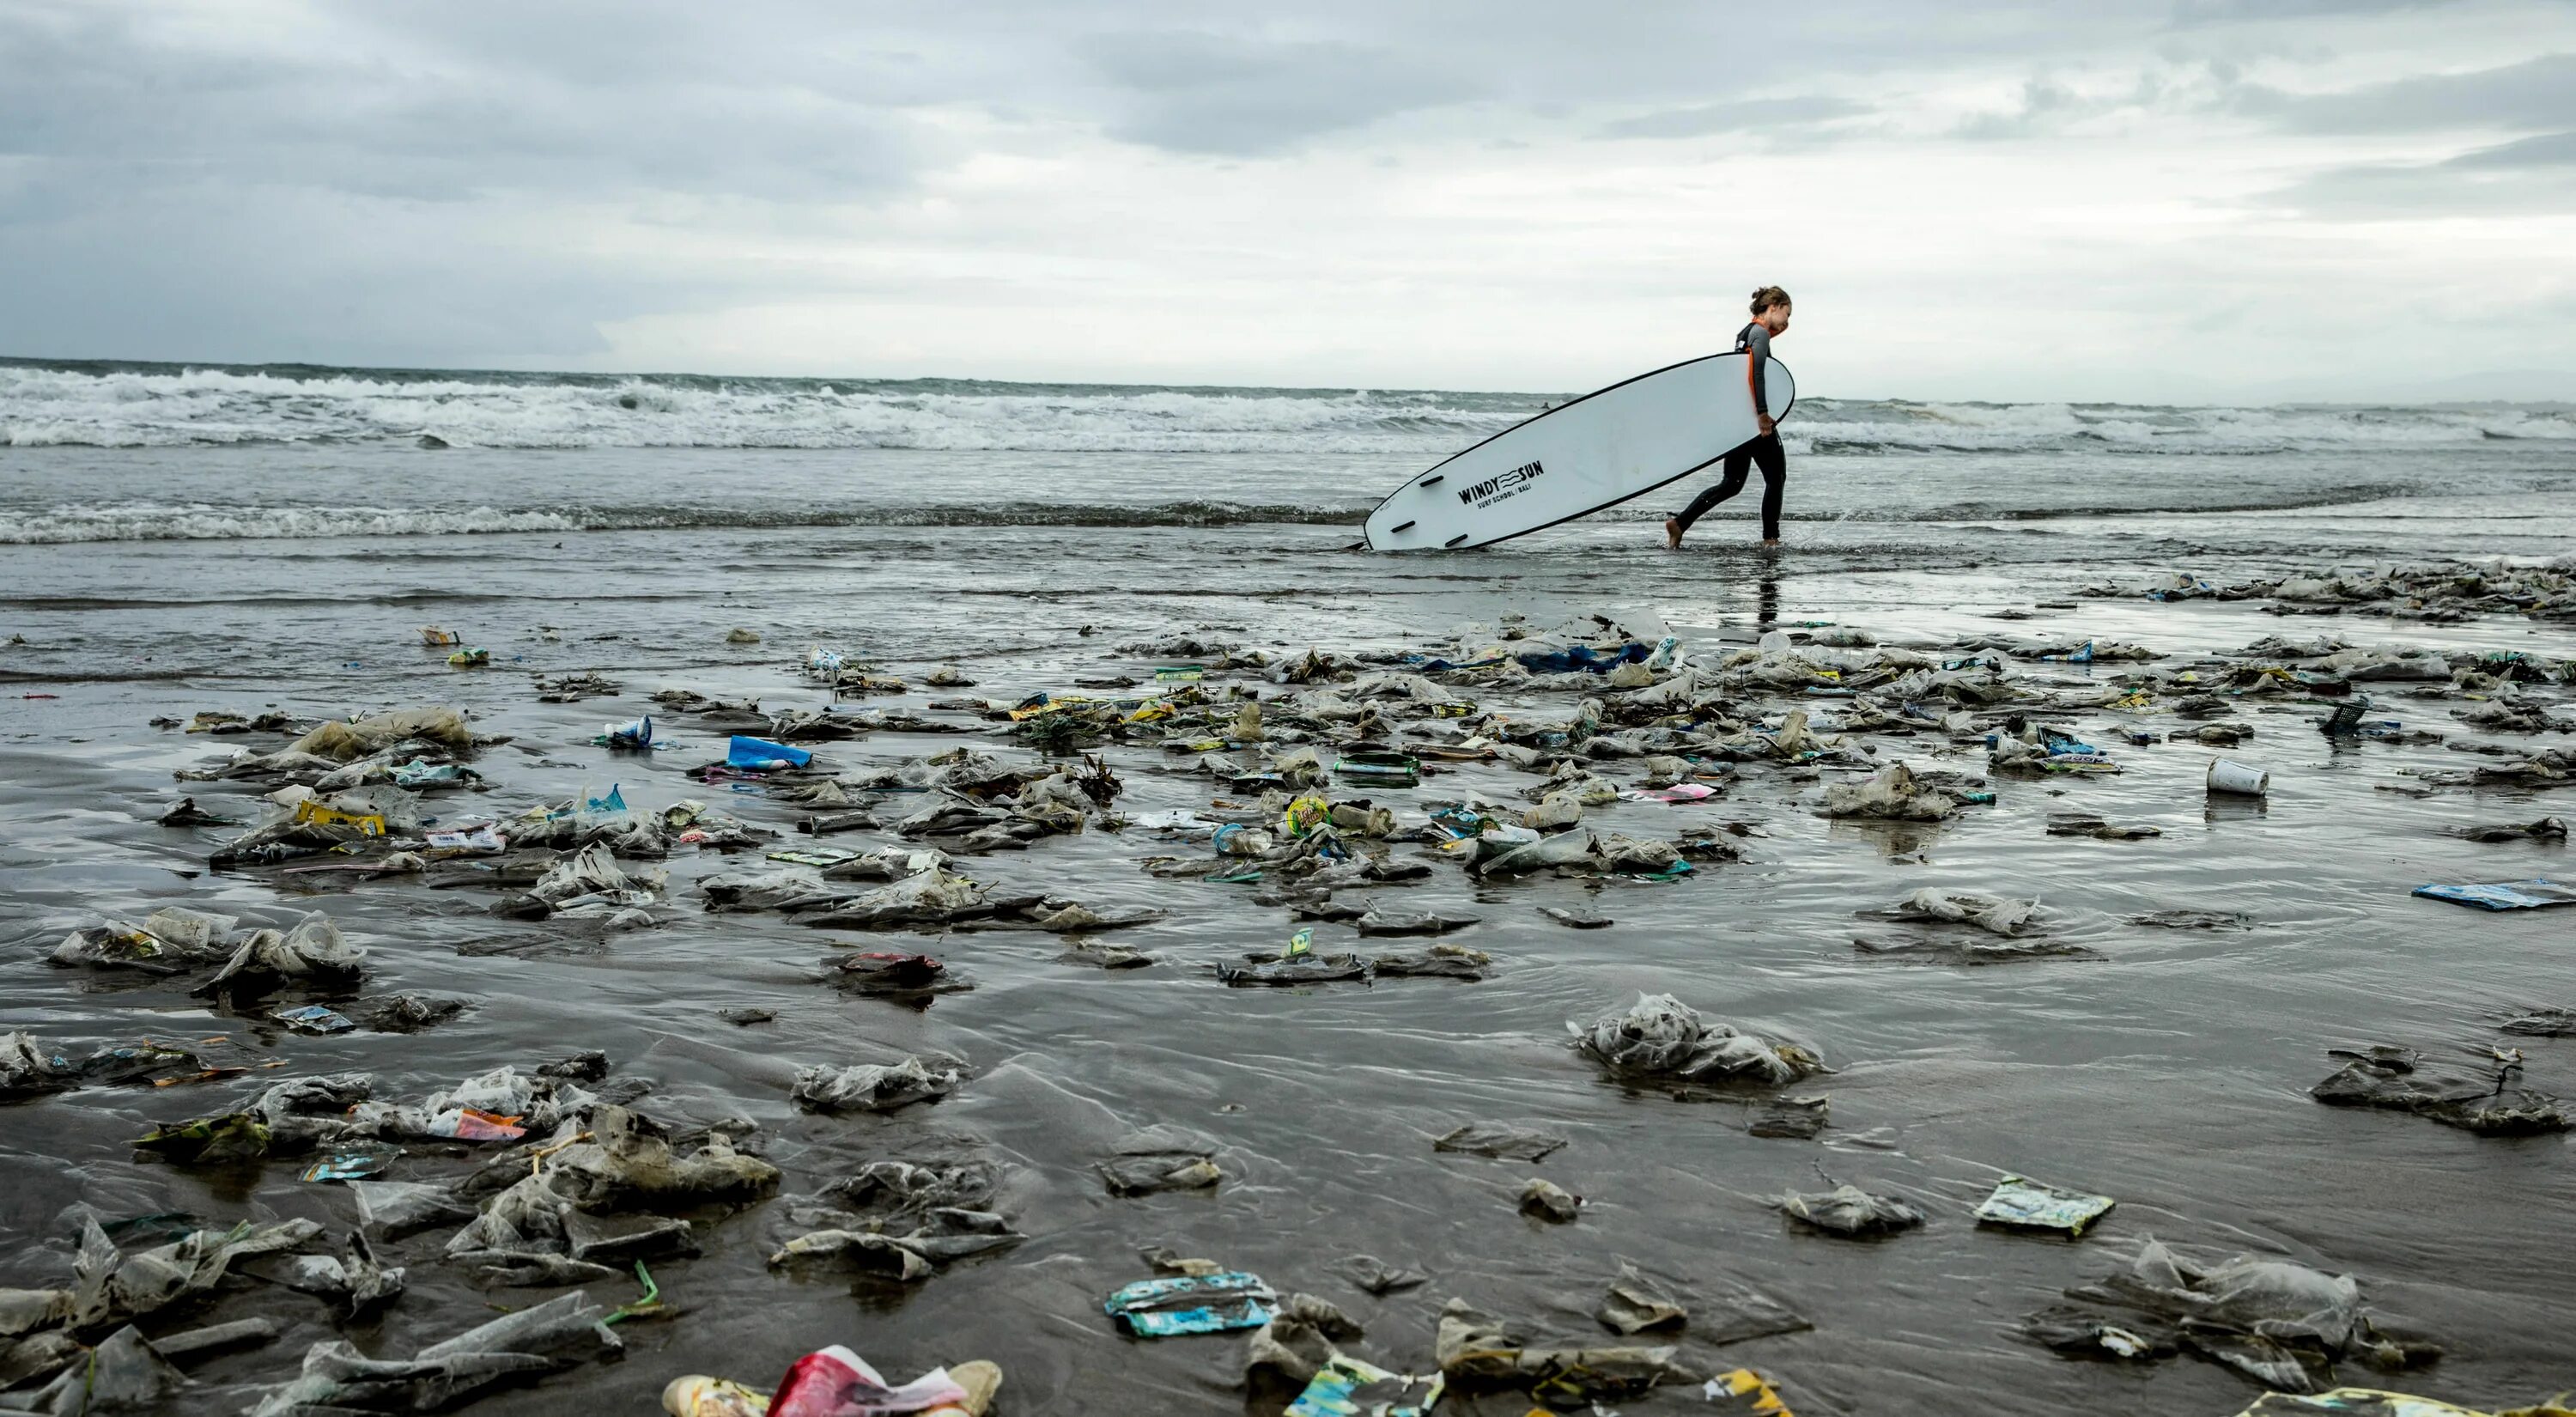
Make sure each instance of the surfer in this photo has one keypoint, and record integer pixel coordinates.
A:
(1770, 319)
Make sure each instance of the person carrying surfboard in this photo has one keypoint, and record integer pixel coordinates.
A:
(1770, 319)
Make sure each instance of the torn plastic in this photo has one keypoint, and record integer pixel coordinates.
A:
(1344, 1386)
(1500, 1140)
(1548, 1201)
(1891, 794)
(2027, 1205)
(1850, 1212)
(1187, 1304)
(313, 953)
(1477, 1350)
(1161, 1158)
(2474, 1100)
(545, 1338)
(835, 1382)
(870, 1087)
(1661, 1038)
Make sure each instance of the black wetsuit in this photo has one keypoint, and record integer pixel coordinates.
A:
(1764, 452)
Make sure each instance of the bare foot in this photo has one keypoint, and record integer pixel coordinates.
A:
(1770, 541)
(1673, 533)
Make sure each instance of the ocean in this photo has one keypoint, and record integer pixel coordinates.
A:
(188, 538)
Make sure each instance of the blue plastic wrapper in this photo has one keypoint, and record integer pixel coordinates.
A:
(1347, 1387)
(761, 755)
(313, 1018)
(1196, 1303)
(2504, 895)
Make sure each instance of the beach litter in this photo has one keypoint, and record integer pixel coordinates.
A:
(2020, 1204)
(2535, 894)
(1192, 1304)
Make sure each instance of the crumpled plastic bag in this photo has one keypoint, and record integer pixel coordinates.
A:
(109, 1285)
(352, 1281)
(928, 897)
(28, 1069)
(1662, 1037)
(591, 873)
(1851, 1212)
(629, 1164)
(870, 1087)
(343, 742)
(1995, 915)
(169, 940)
(543, 1338)
(767, 890)
(1161, 1158)
(125, 1373)
(1476, 1349)
(314, 952)
(1891, 794)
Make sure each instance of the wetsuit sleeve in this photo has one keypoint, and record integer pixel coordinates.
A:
(1757, 367)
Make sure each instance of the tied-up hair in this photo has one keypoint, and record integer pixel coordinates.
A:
(1767, 297)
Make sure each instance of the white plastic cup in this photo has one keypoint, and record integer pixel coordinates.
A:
(2237, 778)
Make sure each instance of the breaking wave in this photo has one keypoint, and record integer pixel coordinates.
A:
(166, 405)
(203, 522)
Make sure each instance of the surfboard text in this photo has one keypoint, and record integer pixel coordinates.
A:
(1496, 488)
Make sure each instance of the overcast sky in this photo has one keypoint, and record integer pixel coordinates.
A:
(2138, 201)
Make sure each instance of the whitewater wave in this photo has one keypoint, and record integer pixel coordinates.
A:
(139, 405)
(148, 521)
(202, 522)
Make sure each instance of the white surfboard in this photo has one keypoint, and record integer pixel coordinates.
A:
(1581, 456)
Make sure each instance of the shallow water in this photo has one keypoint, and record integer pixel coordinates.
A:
(2171, 1074)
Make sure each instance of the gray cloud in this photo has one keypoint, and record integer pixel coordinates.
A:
(2546, 150)
(2537, 93)
(1737, 116)
(146, 103)
(2530, 176)
(477, 182)
(1224, 94)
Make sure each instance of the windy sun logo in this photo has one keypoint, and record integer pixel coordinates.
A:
(1496, 488)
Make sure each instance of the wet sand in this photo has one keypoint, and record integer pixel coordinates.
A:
(2171, 1072)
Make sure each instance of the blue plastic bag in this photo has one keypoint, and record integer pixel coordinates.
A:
(761, 755)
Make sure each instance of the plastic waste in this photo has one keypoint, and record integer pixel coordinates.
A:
(1500, 1140)
(2028, 1205)
(1891, 793)
(1186, 1304)
(1635, 1304)
(2472, 1099)
(1347, 1387)
(313, 952)
(1995, 915)
(1660, 1036)
(699, 1396)
(870, 1087)
(635, 737)
(313, 1018)
(543, 1338)
(27, 1069)
(1850, 1212)
(1548, 1201)
(1475, 1348)
(761, 755)
(2238, 779)
(2534, 894)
